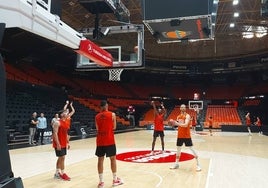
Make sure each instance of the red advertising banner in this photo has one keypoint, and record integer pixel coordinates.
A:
(95, 53)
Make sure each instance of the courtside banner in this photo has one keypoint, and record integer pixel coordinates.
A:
(95, 53)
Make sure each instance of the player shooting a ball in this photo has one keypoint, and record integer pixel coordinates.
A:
(183, 136)
(159, 115)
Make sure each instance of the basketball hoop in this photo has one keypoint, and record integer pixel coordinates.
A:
(195, 107)
(114, 74)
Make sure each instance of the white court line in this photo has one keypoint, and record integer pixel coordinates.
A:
(209, 173)
(153, 173)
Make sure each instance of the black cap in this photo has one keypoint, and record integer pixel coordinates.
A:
(103, 103)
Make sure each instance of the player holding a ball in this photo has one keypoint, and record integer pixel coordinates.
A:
(183, 136)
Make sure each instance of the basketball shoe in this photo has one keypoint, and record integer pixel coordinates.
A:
(101, 185)
(117, 182)
(57, 176)
(174, 166)
(198, 168)
(65, 177)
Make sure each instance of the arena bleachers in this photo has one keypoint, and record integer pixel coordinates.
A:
(225, 92)
(18, 75)
(86, 94)
(222, 115)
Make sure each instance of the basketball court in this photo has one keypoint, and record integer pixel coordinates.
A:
(228, 159)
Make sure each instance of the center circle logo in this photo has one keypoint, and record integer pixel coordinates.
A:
(146, 156)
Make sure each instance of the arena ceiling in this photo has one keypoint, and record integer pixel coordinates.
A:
(228, 43)
(230, 51)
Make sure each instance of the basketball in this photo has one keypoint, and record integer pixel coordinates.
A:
(171, 122)
(136, 49)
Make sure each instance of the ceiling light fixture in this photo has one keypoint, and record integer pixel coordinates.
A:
(236, 14)
(232, 25)
(235, 2)
(248, 35)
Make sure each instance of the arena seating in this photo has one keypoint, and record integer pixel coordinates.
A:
(181, 92)
(93, 104)
(176, 111)
(222, 115)
(148, 118)
(127, 102)
(225, 92)
(145, 92)
(109, 89)
(254, 102)
(18, 75)
(87, 94)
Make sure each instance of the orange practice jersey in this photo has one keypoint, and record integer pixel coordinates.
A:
(210, 122)
(105, 133)
(248, 121)
(183, 132)
(258, 123)
(63, 133)
(159, 122)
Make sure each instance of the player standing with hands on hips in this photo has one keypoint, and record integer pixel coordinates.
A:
(183, 136)
(159, 115)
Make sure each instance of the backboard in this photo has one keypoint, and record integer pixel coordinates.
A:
(195, 105)
(125, 43)
(176, 21)
(170, 30)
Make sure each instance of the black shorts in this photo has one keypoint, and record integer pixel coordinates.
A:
(60, 153)
(210, 127)
(186, 141)
(105, 150)
(158, 133)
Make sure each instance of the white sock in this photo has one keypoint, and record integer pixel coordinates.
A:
(178, 154)
(58, 171)
(101, 177)
(114, 176)
(196, 156)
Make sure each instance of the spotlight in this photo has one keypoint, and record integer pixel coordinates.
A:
(107, 30)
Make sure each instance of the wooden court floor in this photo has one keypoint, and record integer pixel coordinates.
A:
(228, 160)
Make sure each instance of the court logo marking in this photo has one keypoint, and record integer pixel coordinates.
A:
(145, 156)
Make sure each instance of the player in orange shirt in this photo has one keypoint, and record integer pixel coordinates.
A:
(183, 136)
(106, 124)
(193, 122)
(248, 123)
(258, 123)
(210, 123)
(61, 140)
(159, 115)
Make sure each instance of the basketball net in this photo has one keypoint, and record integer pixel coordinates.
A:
(114, 74)
(195, 107)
